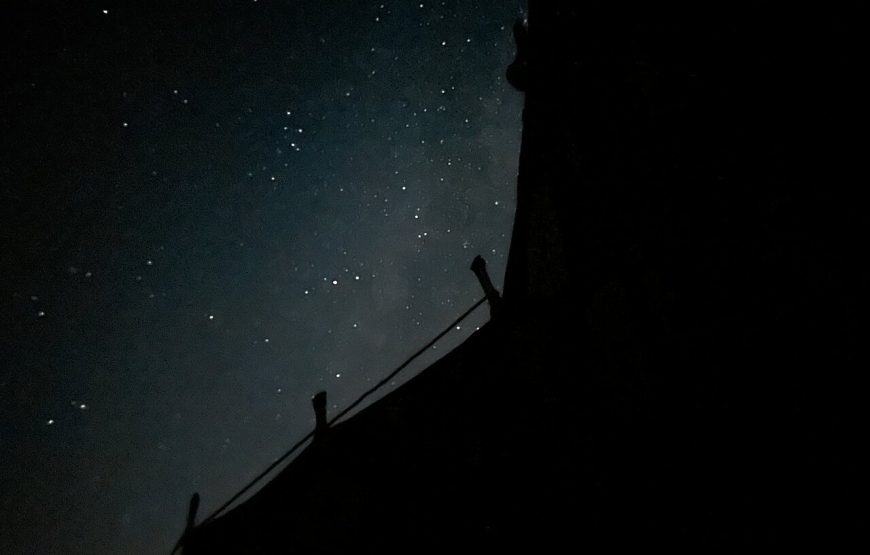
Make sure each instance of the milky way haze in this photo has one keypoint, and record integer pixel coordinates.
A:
(211, 214)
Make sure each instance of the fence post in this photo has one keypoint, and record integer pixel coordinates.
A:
(321, 425)
(478, 266)
(192, 509)
(191, 513)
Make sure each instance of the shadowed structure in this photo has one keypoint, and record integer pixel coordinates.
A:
(673, 362)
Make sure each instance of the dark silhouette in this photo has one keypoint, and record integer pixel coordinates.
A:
(478, 266)
(190, 523)
(321, 426)
(675, 363)
(517, 71)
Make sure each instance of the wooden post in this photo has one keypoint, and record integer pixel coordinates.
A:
(321, 425)
(191, 513)
(478, 266)
(184, 540)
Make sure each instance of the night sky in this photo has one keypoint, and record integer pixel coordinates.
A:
(211, 213)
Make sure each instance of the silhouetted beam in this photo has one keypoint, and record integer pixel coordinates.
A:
(478, 266)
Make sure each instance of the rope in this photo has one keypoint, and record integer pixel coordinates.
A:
(344, 412)
(407, 362)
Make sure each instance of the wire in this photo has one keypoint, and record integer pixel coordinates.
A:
(344, 412)
(404, 364)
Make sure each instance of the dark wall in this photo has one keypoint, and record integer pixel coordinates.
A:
(703, 166)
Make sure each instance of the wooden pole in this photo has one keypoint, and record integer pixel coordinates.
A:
(478, 266)
(321, 425)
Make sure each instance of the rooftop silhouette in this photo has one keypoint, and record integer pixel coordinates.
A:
(672, 361)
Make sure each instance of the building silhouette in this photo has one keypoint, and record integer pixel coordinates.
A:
(674, 360)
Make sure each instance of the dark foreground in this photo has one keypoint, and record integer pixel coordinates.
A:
(675, 362)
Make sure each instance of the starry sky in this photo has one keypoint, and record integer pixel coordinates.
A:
(212, 211)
